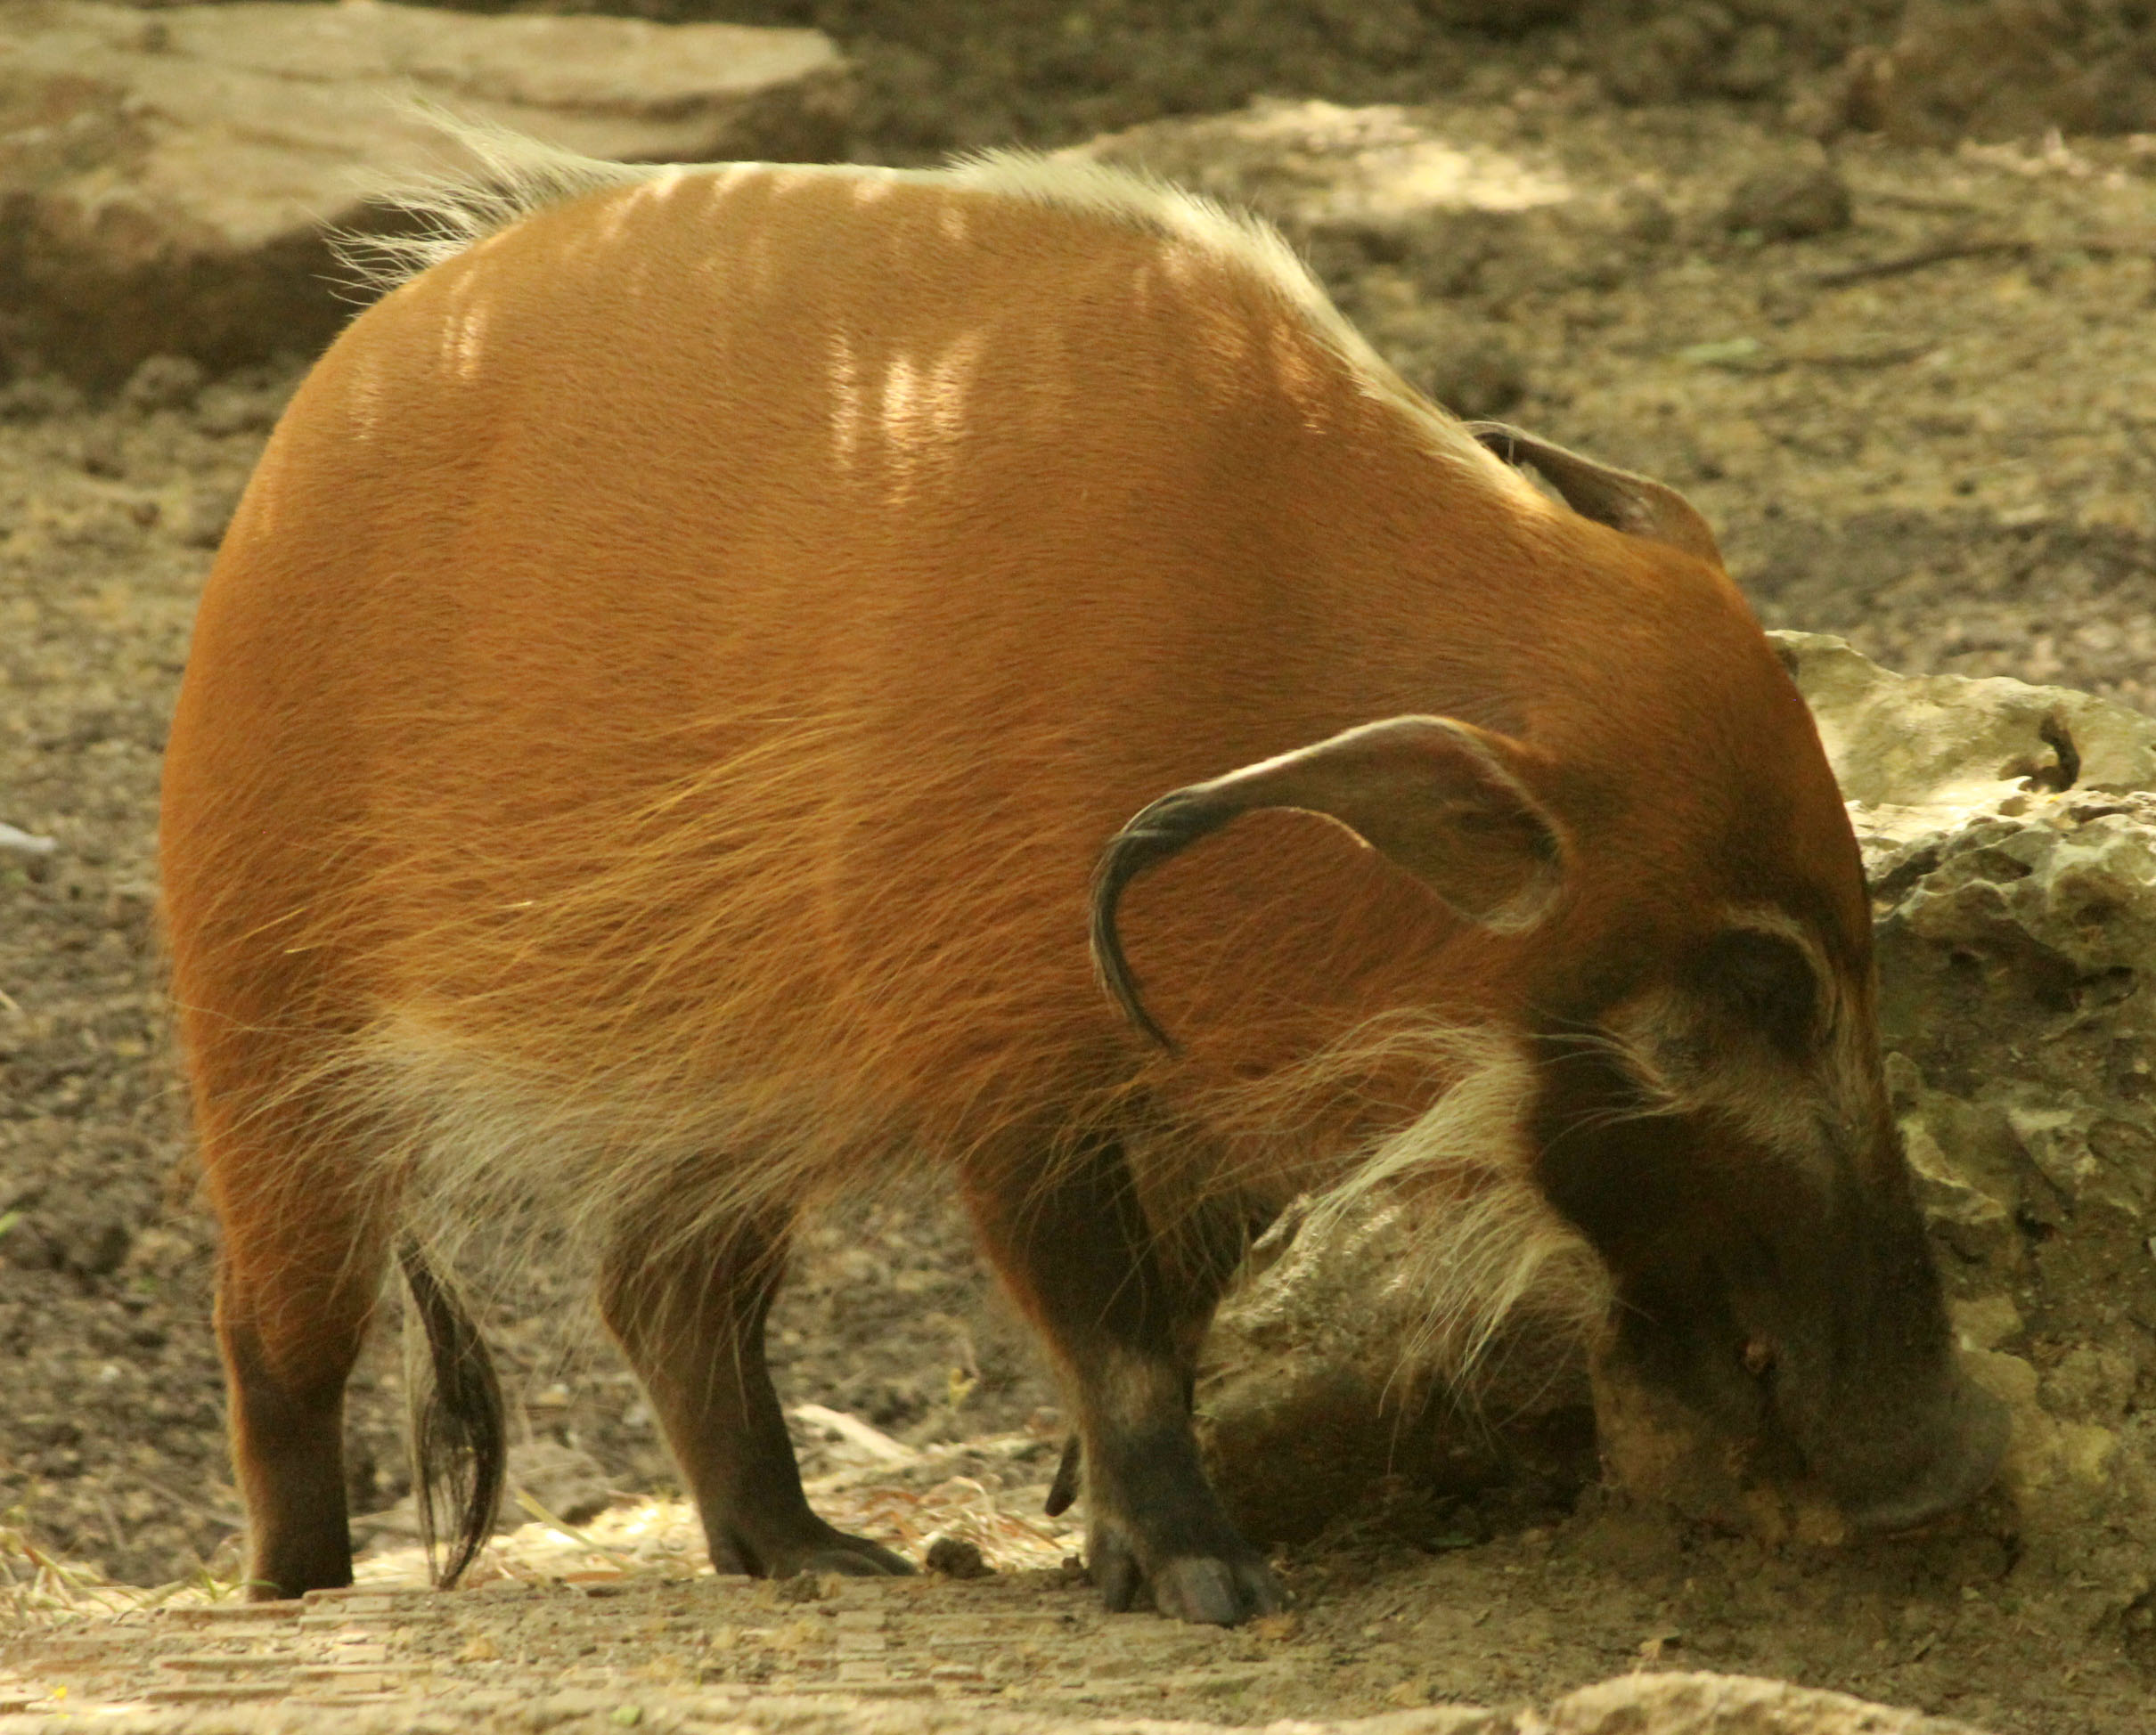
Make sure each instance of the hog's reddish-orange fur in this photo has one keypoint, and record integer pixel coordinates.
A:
(655, 713)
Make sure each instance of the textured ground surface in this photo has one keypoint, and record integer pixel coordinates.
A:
(1951, 463)
(552, 1632)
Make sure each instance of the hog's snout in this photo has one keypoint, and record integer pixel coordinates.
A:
(1971, 1433)
(1877, 1468)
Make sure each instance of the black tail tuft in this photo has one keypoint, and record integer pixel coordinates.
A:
(457, 1432)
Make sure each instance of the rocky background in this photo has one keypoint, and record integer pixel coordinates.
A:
(1871, 282)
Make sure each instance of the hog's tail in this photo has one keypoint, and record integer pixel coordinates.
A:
(460, 1450)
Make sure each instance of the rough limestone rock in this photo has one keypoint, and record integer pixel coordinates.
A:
(1716, 1704)
(2009, 834)
(1944, 745)
(1319, 1386)
(166, 176)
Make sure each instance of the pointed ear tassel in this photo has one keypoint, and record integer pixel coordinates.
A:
(1637, 505)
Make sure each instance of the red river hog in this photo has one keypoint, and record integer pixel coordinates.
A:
(672, 703)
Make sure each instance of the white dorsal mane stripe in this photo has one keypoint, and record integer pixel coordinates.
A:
(517, 175)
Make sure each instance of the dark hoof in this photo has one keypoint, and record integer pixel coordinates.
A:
(820, 1550)
(1207, 1590)
(851, 1556)
(1215, 1592)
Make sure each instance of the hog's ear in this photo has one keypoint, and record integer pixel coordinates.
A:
(1444, 800)
(1637, 505)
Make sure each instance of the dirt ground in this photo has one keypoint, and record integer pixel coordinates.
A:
(1931, 427)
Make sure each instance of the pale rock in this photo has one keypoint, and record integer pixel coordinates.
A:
(1319, 1382)
(1312, 166)
(2057, 1470)
(1985, 1322)
(1700, 1704)
(166, 176)
(2005, 1377)
(2009, 834)
(1908, 748)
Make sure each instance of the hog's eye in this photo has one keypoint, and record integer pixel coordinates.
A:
(1765, 982)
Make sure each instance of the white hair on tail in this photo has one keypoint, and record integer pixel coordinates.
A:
(516, 174)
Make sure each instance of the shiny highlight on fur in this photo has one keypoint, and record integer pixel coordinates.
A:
(517, 174)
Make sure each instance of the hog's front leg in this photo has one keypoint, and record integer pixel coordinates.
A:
(1123, 1311)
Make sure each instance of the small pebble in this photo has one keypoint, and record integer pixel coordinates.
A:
(1789, 203)
(24, 842)
(163, 382)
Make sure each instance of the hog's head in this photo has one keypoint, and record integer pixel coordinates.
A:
(1653, 881)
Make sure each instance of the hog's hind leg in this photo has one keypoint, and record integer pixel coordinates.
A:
(297, 1278)
(691, 1319)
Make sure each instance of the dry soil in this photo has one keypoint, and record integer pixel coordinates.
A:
(1932, 429)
